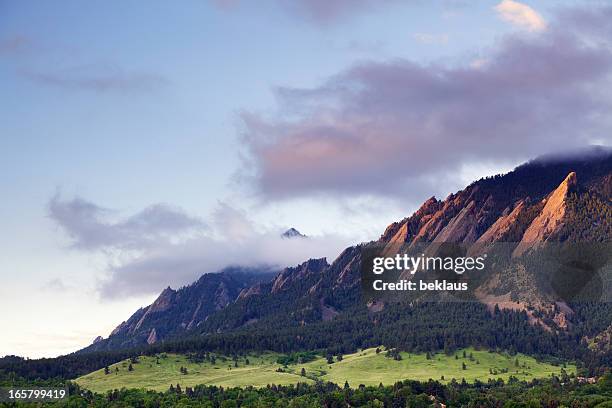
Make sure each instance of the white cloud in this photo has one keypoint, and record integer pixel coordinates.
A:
(92, 228)
(520, 15)
(162, 245)
(427, 38)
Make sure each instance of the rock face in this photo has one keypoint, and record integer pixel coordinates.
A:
(500, 230)
(413, 223)
(526, 206)
(462, 227)
(550, 220)
(291, 275)
(152, 337)
(257, 289)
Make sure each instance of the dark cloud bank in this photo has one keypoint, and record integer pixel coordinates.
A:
(399, 127)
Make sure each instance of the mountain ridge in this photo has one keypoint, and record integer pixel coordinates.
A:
(176, 311)
(538, 201)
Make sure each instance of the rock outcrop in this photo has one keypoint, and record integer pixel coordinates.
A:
(290, 275)
(550, 220)
(152, 339)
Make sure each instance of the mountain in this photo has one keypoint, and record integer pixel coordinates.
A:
(178, 311)
(317, 304)
(292, 233)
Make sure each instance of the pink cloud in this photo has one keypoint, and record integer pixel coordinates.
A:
(399, 127)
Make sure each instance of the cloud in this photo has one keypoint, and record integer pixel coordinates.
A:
(328, 11)
(430, 39)
(98, 78)
(365, 47)
(226, 4)
(404, 129)
(231, 223)
(161, 245)
(318, 12)
(55, 285)
(520, 15)
(181, 264)
(91, 227)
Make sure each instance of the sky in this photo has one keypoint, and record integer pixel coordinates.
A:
(143, 144)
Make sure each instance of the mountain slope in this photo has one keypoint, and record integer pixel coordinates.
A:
(536, 202)
(176, 312)
(549, 199)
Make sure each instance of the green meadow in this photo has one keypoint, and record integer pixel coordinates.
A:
(364, 367)
(368, 368)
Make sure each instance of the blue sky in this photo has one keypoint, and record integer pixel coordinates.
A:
(110, 108)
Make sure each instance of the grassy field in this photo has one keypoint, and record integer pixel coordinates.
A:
(369, 368)
(364, 367)
(148, 374)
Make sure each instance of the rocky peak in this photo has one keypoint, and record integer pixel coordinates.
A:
(292, 233)
(222, 296)
(256, 289)
(163, 301)
(462, 227)
(289, 275)
(400, 230)
(501, 230)
(550, 218)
